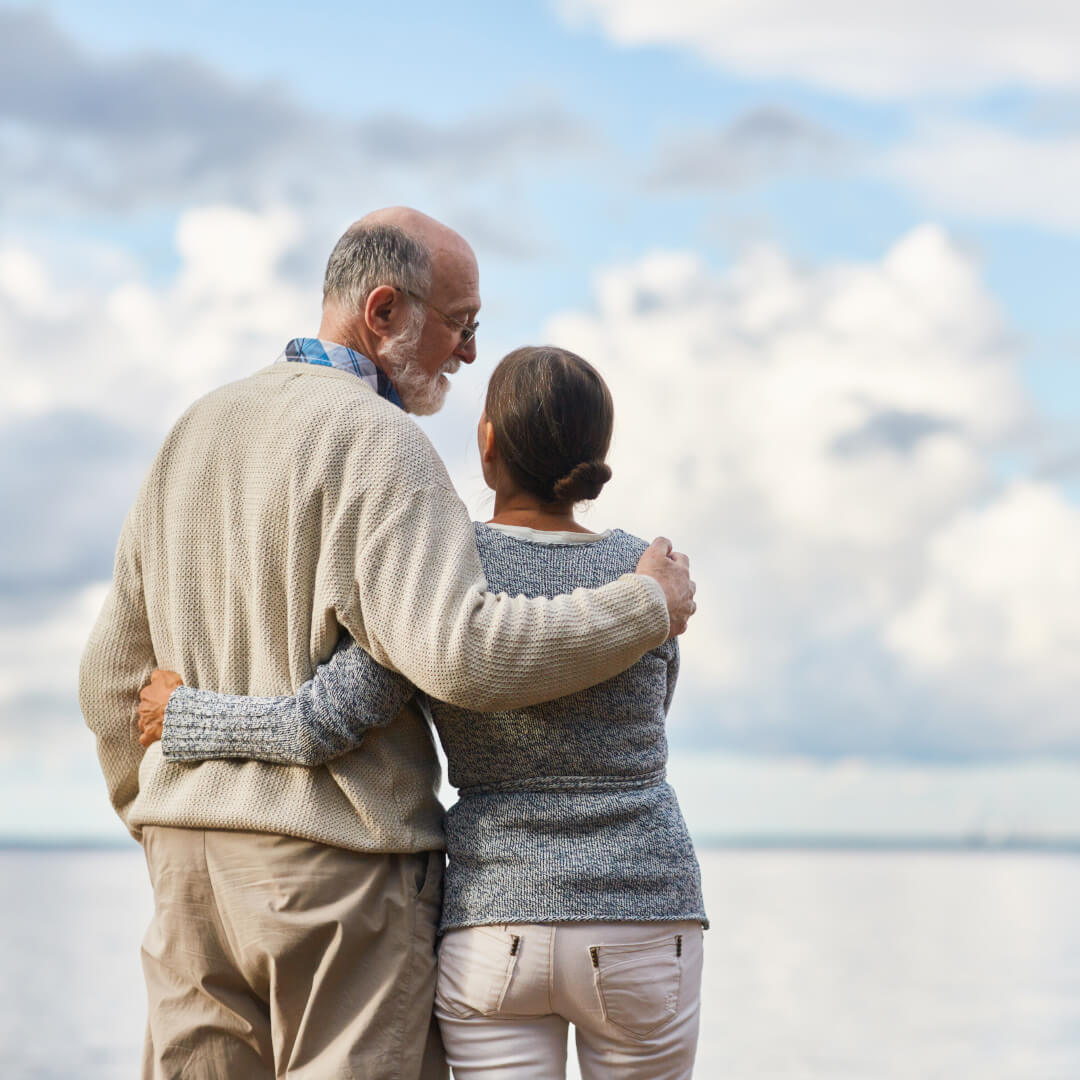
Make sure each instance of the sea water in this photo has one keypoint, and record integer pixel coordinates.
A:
(868, 965)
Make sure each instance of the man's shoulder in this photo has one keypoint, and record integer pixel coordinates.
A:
(325, 422)
(303, 398)
(304, 386)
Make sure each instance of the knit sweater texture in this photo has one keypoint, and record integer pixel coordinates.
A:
(563, 811)
(280, 509)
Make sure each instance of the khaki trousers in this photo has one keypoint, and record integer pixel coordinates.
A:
(269, 956)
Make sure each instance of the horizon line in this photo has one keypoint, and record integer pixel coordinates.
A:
(757, 841)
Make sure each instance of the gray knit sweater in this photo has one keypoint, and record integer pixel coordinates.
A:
(563, 812)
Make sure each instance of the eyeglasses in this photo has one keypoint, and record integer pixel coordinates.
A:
(468, 330)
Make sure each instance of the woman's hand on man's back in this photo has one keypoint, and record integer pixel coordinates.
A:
(153, 698)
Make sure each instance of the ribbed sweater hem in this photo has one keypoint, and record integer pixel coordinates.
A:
(522, 917)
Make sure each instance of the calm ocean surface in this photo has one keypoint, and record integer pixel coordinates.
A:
(819, 965)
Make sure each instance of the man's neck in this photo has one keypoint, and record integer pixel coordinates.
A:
(344, 331)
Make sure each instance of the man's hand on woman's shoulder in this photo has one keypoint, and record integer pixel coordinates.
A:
(672, 570)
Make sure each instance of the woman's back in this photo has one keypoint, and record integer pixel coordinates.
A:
(563, 811)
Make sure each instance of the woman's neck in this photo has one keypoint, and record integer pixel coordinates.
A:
(521, 508)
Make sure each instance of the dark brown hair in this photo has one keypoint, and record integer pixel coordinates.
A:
(552, 414)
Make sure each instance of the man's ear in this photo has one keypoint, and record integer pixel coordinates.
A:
(382, 310)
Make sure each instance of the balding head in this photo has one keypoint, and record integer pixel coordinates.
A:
(396, 246)
(370, 254)
(434, 235)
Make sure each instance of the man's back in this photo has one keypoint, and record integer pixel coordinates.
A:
(244, 541)
(244, 517)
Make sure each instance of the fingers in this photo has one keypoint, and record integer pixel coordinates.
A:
(672, 570)
(660, 546)
(153, 698)
(150, 721)
(150, 736)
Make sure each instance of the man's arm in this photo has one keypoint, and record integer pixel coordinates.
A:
(424, 610)
(328, 716)
(118, 659)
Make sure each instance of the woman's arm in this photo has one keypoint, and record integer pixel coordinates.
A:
(328, 716)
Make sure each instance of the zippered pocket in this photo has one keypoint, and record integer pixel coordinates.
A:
(638, 983)
(476, 965)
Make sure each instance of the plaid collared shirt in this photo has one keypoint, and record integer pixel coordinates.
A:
(309, 350)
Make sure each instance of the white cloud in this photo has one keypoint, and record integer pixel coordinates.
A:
(115, 359)
(758, 143)
(988, 174)
(122, 349)
(83, 130)
(24, 280)
(41, 657)
(40, 730)
(814, 437)
(996, 622)
(890, 49)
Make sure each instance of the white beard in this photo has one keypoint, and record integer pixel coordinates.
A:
(421, 394)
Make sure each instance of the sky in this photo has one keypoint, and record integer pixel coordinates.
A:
(825, 255)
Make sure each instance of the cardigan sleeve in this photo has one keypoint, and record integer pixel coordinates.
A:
(328, 716)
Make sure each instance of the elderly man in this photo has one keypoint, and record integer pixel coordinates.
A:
(296, 907)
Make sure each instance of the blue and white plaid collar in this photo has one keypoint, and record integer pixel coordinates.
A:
(309, 350)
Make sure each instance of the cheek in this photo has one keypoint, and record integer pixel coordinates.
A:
(436, 349)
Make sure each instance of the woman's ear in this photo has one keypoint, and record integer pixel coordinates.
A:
(487, 441)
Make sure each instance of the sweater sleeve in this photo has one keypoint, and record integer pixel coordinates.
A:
(328, 716)
(116, 662)
(425, 610)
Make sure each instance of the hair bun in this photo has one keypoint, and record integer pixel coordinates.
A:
(583, 482)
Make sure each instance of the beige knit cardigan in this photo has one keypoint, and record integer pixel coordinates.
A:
(279, 508)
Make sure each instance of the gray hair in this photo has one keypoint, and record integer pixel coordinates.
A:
(368, 256)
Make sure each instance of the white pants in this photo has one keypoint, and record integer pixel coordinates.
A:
(505, 995)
